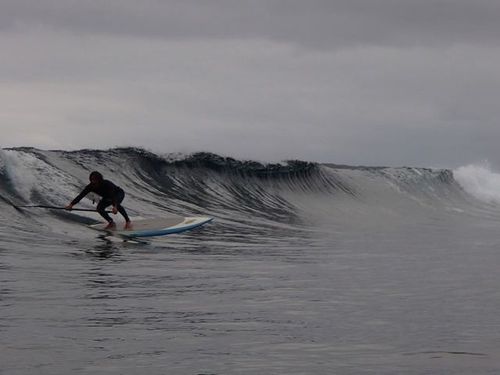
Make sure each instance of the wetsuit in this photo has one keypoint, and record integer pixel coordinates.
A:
(111, 195)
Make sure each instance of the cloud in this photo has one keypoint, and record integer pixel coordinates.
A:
(357, 82)
(321, 23)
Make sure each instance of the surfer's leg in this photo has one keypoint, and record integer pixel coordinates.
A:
(128, 223)
(120, 208)
(101, 208)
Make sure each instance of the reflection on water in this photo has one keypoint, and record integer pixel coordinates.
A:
(105, 249)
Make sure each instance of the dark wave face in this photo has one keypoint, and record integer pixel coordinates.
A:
(307, 268)
(293, 202)
(204, 182)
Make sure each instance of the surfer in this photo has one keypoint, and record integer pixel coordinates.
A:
(111, 195)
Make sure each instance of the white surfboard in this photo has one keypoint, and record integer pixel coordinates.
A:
(155, 227)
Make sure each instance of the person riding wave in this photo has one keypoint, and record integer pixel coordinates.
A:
(111, 195)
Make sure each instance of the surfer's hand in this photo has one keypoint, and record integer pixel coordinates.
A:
(69, 207)
(115, 210)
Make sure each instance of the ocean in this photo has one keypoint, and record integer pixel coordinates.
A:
(307, 268)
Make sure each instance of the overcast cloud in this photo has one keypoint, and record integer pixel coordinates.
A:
(377, 82)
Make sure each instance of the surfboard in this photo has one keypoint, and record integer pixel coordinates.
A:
(155, 227)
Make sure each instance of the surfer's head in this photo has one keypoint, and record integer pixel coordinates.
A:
(95, 178)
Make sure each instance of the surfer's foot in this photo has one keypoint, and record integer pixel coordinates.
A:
(110, 226)
(128, 225)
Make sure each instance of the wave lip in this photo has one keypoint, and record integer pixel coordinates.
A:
(480, 181)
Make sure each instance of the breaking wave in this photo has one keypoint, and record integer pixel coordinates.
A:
(293, 195)
(480, 181)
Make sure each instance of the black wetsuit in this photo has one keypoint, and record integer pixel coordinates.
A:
(111, 195)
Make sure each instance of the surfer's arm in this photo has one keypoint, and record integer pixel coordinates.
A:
(79, 197)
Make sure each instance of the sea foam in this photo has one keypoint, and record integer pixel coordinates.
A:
(480, 181)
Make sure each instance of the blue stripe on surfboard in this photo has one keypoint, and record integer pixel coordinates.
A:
(162, 232)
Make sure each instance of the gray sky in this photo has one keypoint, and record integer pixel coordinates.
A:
(377, 82)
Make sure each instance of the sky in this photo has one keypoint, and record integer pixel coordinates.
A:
(360, 82)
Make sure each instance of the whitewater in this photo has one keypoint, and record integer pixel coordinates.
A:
(307, 268)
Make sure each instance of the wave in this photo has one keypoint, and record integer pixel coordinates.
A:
(295, 193)
(480, 181)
